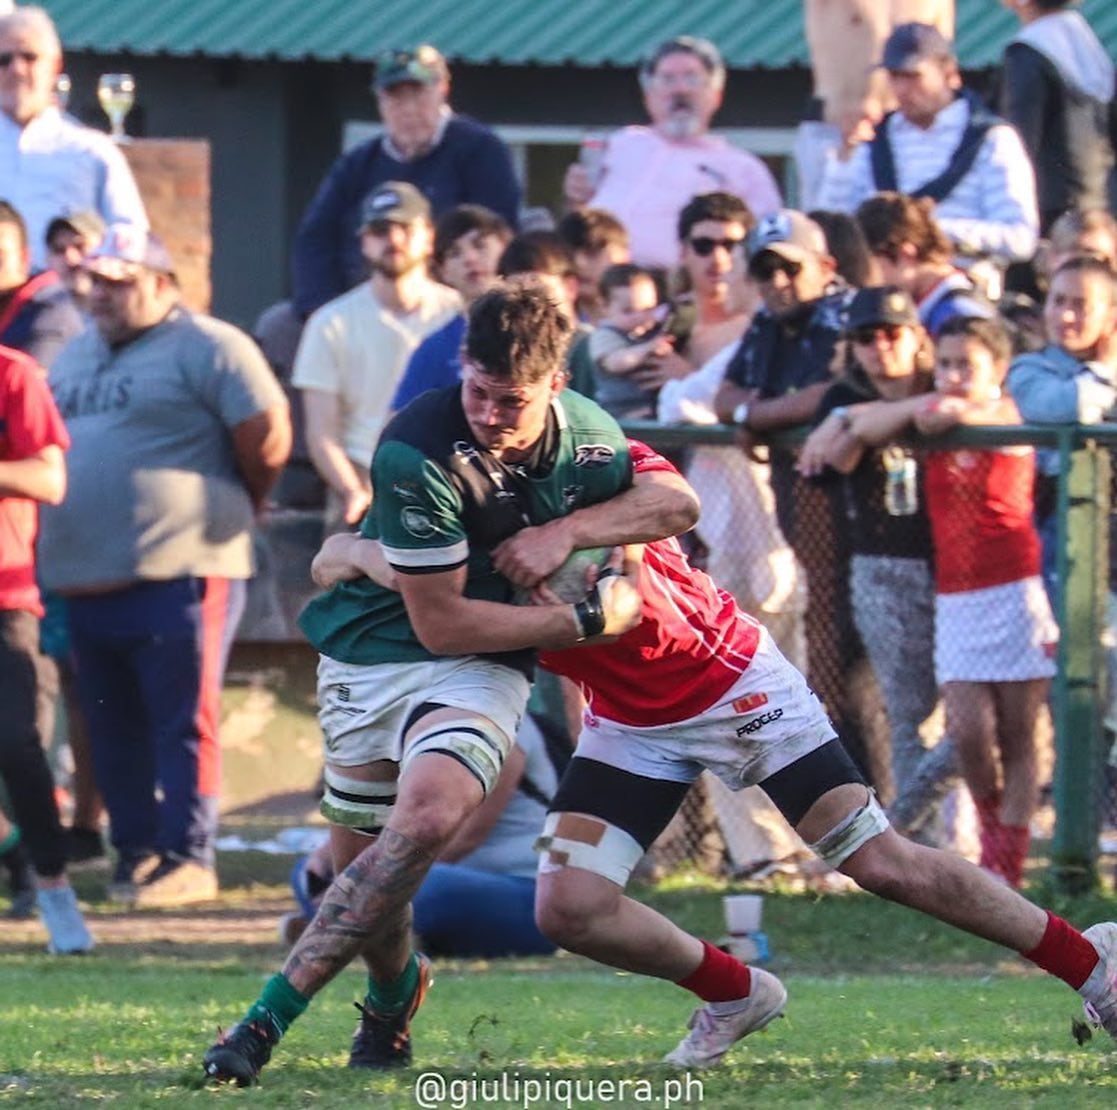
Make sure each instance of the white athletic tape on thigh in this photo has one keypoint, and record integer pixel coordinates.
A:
(575, 840)
(356, 804)
(471, 739)
(854, 830)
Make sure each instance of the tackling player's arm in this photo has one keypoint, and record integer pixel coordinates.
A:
(658, 504)
(449, 623)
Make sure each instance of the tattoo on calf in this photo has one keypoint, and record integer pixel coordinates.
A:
(367, 896)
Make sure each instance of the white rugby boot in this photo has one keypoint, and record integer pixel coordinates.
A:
(713, 1034)
(1100, 990)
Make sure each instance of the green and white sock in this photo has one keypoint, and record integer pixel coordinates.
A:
(392, 998)
(279, 1004)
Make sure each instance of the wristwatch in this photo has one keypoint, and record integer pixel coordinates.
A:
(841, 414)
(741, 414)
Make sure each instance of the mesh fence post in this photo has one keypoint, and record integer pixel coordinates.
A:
(1083, 509)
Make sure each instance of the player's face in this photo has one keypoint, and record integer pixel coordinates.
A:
(680, 96)
(506, 418)
(27, 80)
(15, 260)
(394, 249)
(966, 368)
(469, 265)
(1079, 312)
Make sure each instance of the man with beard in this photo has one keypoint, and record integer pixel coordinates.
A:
(649, 173)
(356, 347)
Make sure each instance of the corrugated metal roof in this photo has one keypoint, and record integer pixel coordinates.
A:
(750, 33)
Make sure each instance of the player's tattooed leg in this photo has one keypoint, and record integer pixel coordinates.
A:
(367, 896)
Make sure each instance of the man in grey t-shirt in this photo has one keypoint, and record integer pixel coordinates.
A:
(179, 430)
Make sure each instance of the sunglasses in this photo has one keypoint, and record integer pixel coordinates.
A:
(869, 333)
(9, 56)
(704, 245)
(767, 266)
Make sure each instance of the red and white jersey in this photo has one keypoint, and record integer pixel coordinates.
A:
(691, 646)
(981, 505)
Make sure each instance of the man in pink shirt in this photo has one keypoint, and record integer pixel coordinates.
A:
(649, 173)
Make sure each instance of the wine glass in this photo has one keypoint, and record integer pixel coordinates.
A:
(62, 88)
(117, 94)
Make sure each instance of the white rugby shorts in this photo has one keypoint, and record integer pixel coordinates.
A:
(363, 709)
(768, 719)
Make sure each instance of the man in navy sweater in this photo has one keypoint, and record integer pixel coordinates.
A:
(450, 158)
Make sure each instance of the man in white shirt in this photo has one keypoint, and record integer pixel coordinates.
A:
(941, 143)
(49, 163)
(355, 348)
(649, 173)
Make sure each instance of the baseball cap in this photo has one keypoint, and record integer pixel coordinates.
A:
(912, 43)
(85, 222)
(881, 304)
(127, 248)
(424, 65)
(790, 234)
(396, 202)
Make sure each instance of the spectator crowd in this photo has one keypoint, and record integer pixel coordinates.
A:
(953, 262)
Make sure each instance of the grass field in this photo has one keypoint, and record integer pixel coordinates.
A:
(886, 1009)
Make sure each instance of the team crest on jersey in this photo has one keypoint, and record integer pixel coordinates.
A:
(749, 703)
(594, 455)
(466, 450)
(418, 522)
(572, 496)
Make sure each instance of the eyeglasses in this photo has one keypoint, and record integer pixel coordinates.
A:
(767, 266)
(704, 245)
(9, 56)
(869, 333)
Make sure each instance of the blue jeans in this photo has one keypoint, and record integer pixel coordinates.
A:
(149, 662)
(461, 911)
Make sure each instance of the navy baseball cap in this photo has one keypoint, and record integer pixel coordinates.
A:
(424, 66)
(912, 43)
(881, 304)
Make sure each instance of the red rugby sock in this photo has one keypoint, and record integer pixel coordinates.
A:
(719, 977)
(1064, 952)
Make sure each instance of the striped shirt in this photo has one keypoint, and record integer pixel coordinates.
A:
(991, 211)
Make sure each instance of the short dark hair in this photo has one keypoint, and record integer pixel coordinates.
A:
(990, 332)
(1085, 263)
(846, 243)
(517, 332)
(463, 220)
(592, 230)
(714, 206)
(536, 252)
(890, 219)
(623, 274)
(10, 215)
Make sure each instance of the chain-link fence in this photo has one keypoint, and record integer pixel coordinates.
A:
(907, 593)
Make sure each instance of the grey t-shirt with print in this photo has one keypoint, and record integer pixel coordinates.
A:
(154, 492)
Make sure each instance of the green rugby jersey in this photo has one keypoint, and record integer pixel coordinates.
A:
(441, 501)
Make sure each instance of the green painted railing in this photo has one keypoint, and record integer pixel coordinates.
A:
(1078, 691)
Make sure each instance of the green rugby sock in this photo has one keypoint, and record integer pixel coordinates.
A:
(279, 1003)
(393, 997)
(10, 841)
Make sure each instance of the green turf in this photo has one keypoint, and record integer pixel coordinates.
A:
(973, 1028)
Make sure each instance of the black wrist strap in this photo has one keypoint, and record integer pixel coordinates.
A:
(590, 615)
